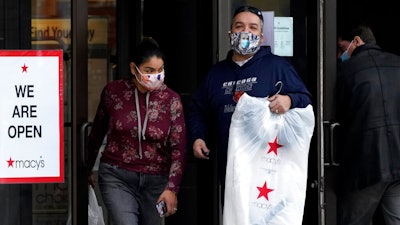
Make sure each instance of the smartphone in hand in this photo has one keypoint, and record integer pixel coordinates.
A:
(161, 208)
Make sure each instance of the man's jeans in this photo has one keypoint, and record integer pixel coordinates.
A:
(358, 207)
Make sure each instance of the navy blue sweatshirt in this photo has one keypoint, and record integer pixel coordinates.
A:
(212, 105)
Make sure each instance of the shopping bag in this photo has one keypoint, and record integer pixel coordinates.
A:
(95, 212)
(69, 219)
(266, 171)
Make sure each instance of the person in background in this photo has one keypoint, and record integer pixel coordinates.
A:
(369, 113)
(248, 67)
(145, 153)
(343, 43)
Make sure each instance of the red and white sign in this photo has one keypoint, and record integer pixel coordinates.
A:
(31, 116)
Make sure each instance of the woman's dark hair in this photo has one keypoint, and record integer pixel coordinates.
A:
(146, 49)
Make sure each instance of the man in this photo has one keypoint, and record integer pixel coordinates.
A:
(369, 112)
(249, 68)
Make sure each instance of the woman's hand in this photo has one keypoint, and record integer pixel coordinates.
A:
(170, 200)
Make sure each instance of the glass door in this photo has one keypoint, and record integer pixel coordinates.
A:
(85, 32)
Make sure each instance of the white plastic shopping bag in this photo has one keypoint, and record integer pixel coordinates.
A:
(95, 212)
(266, 171)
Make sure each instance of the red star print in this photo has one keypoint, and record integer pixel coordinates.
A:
(24, 68)
(274, 146)
(264, 191)
(10, 162)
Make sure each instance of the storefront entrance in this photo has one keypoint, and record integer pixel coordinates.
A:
(96, 36)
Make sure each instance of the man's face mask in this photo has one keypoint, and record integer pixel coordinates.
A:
(345, 56)
(245, 43)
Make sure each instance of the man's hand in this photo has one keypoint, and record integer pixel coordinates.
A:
(200, 149)
(279, 103)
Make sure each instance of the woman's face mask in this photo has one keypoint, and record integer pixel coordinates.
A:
(151, 81)
(245, 43)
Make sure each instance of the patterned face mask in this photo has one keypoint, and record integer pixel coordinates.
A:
(245, 43)
(151, 81)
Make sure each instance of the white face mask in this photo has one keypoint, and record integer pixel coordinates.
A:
(151, 81)
(245, 42)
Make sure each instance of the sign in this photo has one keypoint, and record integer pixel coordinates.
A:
(60, 30)
(31, 116)
(283, 31)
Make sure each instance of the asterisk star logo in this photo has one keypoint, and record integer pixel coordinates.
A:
(274, 146)
(10, 162)
(24, 68)
(264, 191)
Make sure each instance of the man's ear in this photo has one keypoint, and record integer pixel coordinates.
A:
(358, 41)
(261, 39)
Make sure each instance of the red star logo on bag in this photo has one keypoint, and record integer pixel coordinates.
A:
(274, 146)
(264, 191)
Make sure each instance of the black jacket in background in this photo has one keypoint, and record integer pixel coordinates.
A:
(369, 113)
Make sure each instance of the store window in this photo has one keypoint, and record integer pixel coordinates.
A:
(51, 29)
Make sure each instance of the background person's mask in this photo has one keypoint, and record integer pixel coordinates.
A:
(345, 56)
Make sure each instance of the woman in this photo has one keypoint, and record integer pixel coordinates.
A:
(145, 154)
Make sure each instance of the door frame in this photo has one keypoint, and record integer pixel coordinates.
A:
(325, 106)
(79, 89)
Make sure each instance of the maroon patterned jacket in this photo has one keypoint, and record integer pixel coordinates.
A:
(163, 145)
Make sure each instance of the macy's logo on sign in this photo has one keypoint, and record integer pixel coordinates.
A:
(25, 163)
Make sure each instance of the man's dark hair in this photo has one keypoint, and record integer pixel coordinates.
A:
(251, 9)
(365, 33)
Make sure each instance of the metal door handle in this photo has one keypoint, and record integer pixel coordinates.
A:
(83, 136)
(331, 147)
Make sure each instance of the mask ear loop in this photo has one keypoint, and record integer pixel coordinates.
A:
(280, 87)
